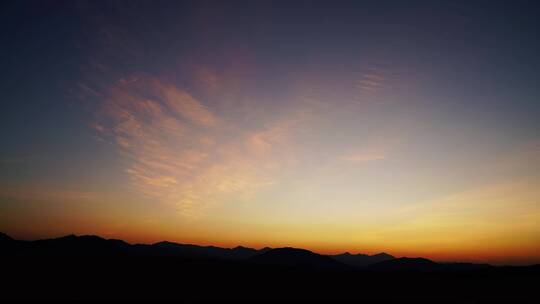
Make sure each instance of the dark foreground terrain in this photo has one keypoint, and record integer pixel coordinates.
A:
(92, 269)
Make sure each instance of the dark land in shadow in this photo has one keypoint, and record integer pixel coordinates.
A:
(90, 268)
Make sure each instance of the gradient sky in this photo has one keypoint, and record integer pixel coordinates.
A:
(410, 127)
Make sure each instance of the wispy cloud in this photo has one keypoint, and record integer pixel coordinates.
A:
(207, 79)
(371, 151)
(362, 157)
(185, 105)
(372, 81)
(179, 151)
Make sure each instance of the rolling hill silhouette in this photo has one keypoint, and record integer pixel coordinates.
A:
(91, 245)
(361, 260)
(190, 250)
(70, 246)
(294, 257)
(407, 264)
(5, 238)
(423, 265)
(96, 269)
(95, 246)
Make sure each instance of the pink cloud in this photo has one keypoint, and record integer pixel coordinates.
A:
(181, 153)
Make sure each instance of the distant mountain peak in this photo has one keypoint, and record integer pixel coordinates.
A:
(66, 237)
(408, 264)
(165, 243)
(88, 245)
(291, 249)
(296, 257)
(360, 259)
(5, 237)
(415, 259)
(91, 237)
(383, 254)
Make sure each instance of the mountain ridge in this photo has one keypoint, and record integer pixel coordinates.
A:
(360, 259)
(88, 245)
(297, 257)
(94, 268)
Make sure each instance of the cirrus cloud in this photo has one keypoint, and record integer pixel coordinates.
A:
(178, 151)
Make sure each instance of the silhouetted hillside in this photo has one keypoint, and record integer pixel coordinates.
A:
(422, 265)
(407, 264)
(188, 250)
(70, 246)
(465, 266)
(89, 245)
(91, 268)
(294, 257)
(5, 238)
(361, 260)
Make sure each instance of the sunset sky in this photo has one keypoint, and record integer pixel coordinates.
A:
(409, 127)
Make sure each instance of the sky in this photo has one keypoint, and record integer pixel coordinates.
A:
(409, 127)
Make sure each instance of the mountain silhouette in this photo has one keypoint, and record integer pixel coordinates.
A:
(5, 238)
(71, 246)
(466, 266)
(295, 257)
(96, 269)
(189, 250)
(360, 260)
(91, 245)
(422, 265)
(407, 264)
